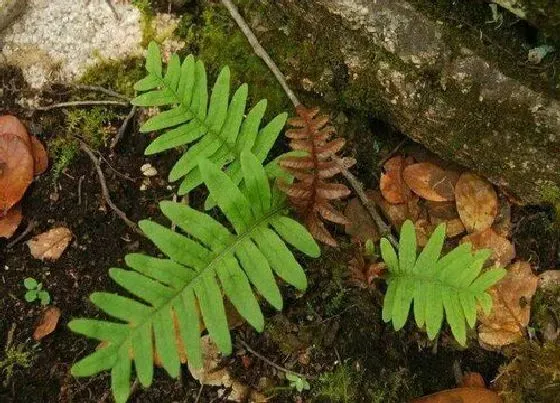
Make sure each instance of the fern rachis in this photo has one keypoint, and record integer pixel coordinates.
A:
(196, 271)
(449, 286)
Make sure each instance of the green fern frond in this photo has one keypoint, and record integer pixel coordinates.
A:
(449, 286)
(199, 267)
(218, 130)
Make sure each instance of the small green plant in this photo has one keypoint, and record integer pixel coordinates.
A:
(296, 382)
(215, 128)
(15, 355)
(186, 287)
(451, 284)
(35, 291)
(339, 385)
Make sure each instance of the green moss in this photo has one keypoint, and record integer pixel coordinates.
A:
(551, 194)
(90, 125)
(118, 75)
(15, 355)
(545, 308)
(339, 385)
(533, 375)
(214, 37)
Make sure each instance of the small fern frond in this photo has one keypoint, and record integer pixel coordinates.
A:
(449, 286)
(174, 295)
(312, 194)
(216, 130)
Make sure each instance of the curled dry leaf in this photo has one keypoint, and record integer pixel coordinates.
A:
(16, 170)
(360, 226)
(47, 324)
(40, 157)
(477, 202)
(430, 181)
(511, 307)
(12, 126)
(392, 185)
(10, 222)
(50, 245)
(472, 379)
(503, 251)
(445, 212)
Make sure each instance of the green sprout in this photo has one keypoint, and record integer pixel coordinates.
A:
(35, 291)
(296, 382)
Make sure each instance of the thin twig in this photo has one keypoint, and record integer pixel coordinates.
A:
(260, 51)
(105, 189)
(122, 130)
(272, 363)
(358, 188)
(352, 180)
(30, 226)
(128, 178)
(70, 104)
(100, 89)
(199, 393)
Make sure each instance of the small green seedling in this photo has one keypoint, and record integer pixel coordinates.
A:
(369, 248)
(296, 382)
(35, 291)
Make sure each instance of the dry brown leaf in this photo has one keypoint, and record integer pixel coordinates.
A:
(462, 395)
(473, 380)
(392, 185)
(16, 170)
(430, 181)
(361, 226)
(397, 214)
(502, 224)
(10, 222)
(40, 157)
(50, 245)
(47, 324)
(424, 230)
(442, 211)
(511, 308)
(477, 202)
(12, 126)
(503, 251)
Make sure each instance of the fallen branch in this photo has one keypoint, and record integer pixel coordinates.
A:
(96, 88)
(105, 189)
(356, 185)
(71, 104)
(30, 226)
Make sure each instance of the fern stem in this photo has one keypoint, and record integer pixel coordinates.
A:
(356, 185)
(260, 51)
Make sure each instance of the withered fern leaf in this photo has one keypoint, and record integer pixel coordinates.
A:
(311, 194)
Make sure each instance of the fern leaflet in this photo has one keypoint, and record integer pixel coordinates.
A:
(450, 285)
(186, 287)
(217, 130)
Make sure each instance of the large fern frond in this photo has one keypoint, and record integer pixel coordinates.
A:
(451, 284)
(187, 286)
(217, 130)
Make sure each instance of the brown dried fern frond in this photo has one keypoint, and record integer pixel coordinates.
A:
(311, 194)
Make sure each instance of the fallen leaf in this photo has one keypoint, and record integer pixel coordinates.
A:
(424, 230)
(47, 324)
(50, 245)
(361, 226)
(12, 126)
(477, 202)
(392, 185)
(10, 222)
(213, 374)
(472, 380)
(511, 307)
(16, 170)
(430, 181)
(462, 395)
(442, 211)
(397, 214)
(503, 251)
(40, 157)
